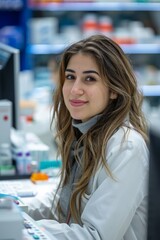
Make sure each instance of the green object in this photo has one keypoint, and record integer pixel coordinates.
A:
(7, 170)
(142, 1)
(50, 164)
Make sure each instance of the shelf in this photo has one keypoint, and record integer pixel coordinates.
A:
(129, 49)
(11, 5)
(151, 90)
(45, 49)
(141, 48)
(96, 6)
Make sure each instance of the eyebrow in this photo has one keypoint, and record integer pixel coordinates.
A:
(86, 72)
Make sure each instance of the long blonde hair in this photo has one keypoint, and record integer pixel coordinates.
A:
(117, 71)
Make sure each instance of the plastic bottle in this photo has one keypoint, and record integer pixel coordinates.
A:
(19, 158)
(89, 25)
(5, 154)
(27, 163)
(105, 26)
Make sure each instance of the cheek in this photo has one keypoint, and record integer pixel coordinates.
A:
(66, 94)
(103, 94)
(103, 97)
(64, 91)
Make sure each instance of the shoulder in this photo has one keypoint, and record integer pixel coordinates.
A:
(127, 149)
(125, 135)
(126, 143)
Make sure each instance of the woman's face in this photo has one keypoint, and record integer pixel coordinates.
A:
(85, 94)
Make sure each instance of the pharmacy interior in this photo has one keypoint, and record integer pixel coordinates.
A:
(40, 30)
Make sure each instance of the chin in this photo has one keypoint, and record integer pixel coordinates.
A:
(80, 118)
(77, 118)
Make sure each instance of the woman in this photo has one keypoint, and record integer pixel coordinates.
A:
(102, 139)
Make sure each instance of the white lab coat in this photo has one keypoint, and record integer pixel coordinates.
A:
(113, 209)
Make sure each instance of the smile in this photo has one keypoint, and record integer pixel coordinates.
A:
(77, 103)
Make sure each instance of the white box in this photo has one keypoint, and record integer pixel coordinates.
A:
(5, 121)
(43, 30)
(11, 221)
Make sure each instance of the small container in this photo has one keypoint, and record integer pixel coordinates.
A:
(27, 163)
(5, 154)
(20, 163)
(34, 166)
(105, 26)
(89, 25)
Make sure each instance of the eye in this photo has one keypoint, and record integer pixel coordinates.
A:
(69, 77)
(90, 79)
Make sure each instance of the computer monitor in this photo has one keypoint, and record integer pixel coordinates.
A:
(154, 186)
(9, 78)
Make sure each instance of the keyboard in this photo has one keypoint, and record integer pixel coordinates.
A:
(32, 231)
(18, 225)
(18, 188)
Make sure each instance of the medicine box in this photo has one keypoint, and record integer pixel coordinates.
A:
(43, 30)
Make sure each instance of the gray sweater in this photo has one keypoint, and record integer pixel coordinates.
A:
(82, 127)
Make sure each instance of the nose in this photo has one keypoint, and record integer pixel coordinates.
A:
(77, 88)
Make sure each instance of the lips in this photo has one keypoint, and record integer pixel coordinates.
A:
(77, 103)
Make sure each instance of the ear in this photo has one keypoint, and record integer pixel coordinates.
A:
(113, 95)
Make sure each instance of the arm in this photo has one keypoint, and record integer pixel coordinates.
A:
(42, 205)
(110, 209)
(115, 202)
